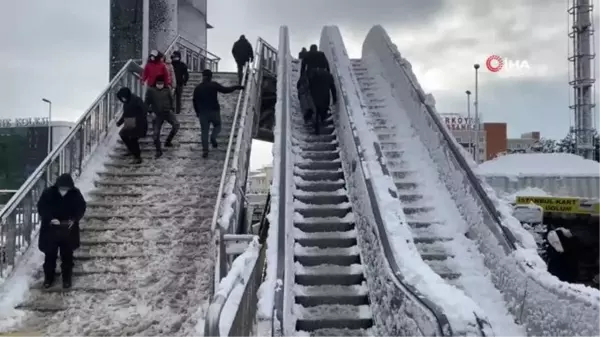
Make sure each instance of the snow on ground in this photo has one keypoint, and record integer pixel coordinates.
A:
(16, 287)
(540, 164)
(526, 192)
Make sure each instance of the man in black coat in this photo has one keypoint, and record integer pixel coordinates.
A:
(135, 120)
(208, 110)
(563, 261)
(60, 207)
(321, 84)
(181, 78)
(302, 53)
(242, 53)
(314, 59)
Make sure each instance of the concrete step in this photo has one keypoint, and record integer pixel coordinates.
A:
(319, 175)
(320, 165)
(321, 199)
(319, 186)
(331, 294)
(320, 155)
(312, 256)
(332, 316)
(331, 274)
(325, 239)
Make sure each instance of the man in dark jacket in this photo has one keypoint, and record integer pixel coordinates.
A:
(160, 102)
(302, 53)
(314, 59)
(208, 110)
(60, 207)
(181, 78)
(135, 120)
(562, 257)
(242, 53)
(321, 84)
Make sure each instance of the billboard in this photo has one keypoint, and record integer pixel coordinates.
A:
(458, 122)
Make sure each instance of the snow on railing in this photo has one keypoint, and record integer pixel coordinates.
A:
(270, 295)
(196, 57)
(409, 290)
(19, 221)
(537, 299)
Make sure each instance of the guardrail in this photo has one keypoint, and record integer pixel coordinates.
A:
(531, 294)
(196, 57)
(231, 193)
(19, 221)
(244, 318)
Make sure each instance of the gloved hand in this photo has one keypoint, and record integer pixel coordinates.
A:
(55, 222)
(240, 87)
(120, 122)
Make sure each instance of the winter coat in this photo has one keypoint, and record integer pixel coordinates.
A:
(181, 72)
(242, 51)
(159, 100)
(562, 255)
(135, 107)
(314, 60)
(205, 97)
(171, 71)
(321, 84)
(52, 205)
(154, 69)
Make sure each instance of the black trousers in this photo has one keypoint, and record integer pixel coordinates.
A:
(240, 71)
(178, 92)
(131, 141)
(161, 118)
(208, 118)
(60, 243)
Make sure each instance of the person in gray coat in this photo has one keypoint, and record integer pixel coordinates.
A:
(160, 103)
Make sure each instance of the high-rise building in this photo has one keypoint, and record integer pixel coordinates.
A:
(23, 146)
(167, 19)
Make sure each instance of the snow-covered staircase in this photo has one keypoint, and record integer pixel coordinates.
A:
(144, 264)
(330, 291)
(419, 210)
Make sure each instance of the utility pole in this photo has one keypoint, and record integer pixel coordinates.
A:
(477, 123)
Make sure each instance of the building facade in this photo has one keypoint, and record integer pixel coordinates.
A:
(167, 18)
(257, 189)
(491, 140)
(24, 143)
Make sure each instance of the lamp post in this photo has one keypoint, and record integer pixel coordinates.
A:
(469, 121)
(477, 124)
(49, 102)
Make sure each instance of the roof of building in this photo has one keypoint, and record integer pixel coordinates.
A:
(540, 164)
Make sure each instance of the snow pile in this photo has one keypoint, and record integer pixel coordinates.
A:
(233, 285)
(271, 283)
(541, 164)
(415, 299)
(539, 300)
(526, 192)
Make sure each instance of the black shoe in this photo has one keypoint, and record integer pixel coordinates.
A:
(48, 284)
(137, 161)
(214, 143)
(159, 154)
(205, 154)
(168, 144)
(67, 284)
(128, 154)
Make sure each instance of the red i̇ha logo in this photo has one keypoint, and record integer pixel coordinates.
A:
(494, 63)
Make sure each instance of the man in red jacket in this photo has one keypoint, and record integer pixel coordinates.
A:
(154, 68)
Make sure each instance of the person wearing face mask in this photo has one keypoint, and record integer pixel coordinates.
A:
(60, 207)
(181, 75)
(154, 68)
(134, 121)
(160, 103)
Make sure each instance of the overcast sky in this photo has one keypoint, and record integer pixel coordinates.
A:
(59, 49)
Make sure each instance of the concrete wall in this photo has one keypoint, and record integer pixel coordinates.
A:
(192, 21)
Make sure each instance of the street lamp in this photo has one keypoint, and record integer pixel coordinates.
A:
(469, 121)
(45, 100)
(477, 126)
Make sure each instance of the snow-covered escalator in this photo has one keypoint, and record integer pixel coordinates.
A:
(439, 230)
(330, 292)
(145, 257)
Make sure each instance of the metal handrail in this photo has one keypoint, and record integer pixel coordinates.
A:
(18, 218)
(186, 46)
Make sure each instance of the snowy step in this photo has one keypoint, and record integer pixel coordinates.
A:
(147, 141)
(320, 155)
(318, 225)
(402, 174)
(133, 204)
(56, 299)
(148, 215)
(152, 165)
(332, 316)
(127, 174)
(315, 138)
(331, 274)
(131, 248)
(331, 294)
(337, 332)
(325, 239)
(321, 199)
(312, 256)
(319, 175)
(316, 146)
(393, 154)
(408, 196)
(433, 251)
(405, 185)
(389, 146)
(319, 185)
(441, 268)
(417, 207)
(116, 194)
(93, 283)
(319, 165)
(323, 211)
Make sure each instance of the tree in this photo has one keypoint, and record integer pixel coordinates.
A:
(566, 145)
(596, 143)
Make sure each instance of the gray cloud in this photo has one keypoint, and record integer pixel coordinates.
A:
(59, 49)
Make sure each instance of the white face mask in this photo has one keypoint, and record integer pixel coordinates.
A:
(160, 86)
(63, 192)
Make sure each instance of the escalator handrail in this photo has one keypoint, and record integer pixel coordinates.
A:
(130, 66)
(443, 325)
